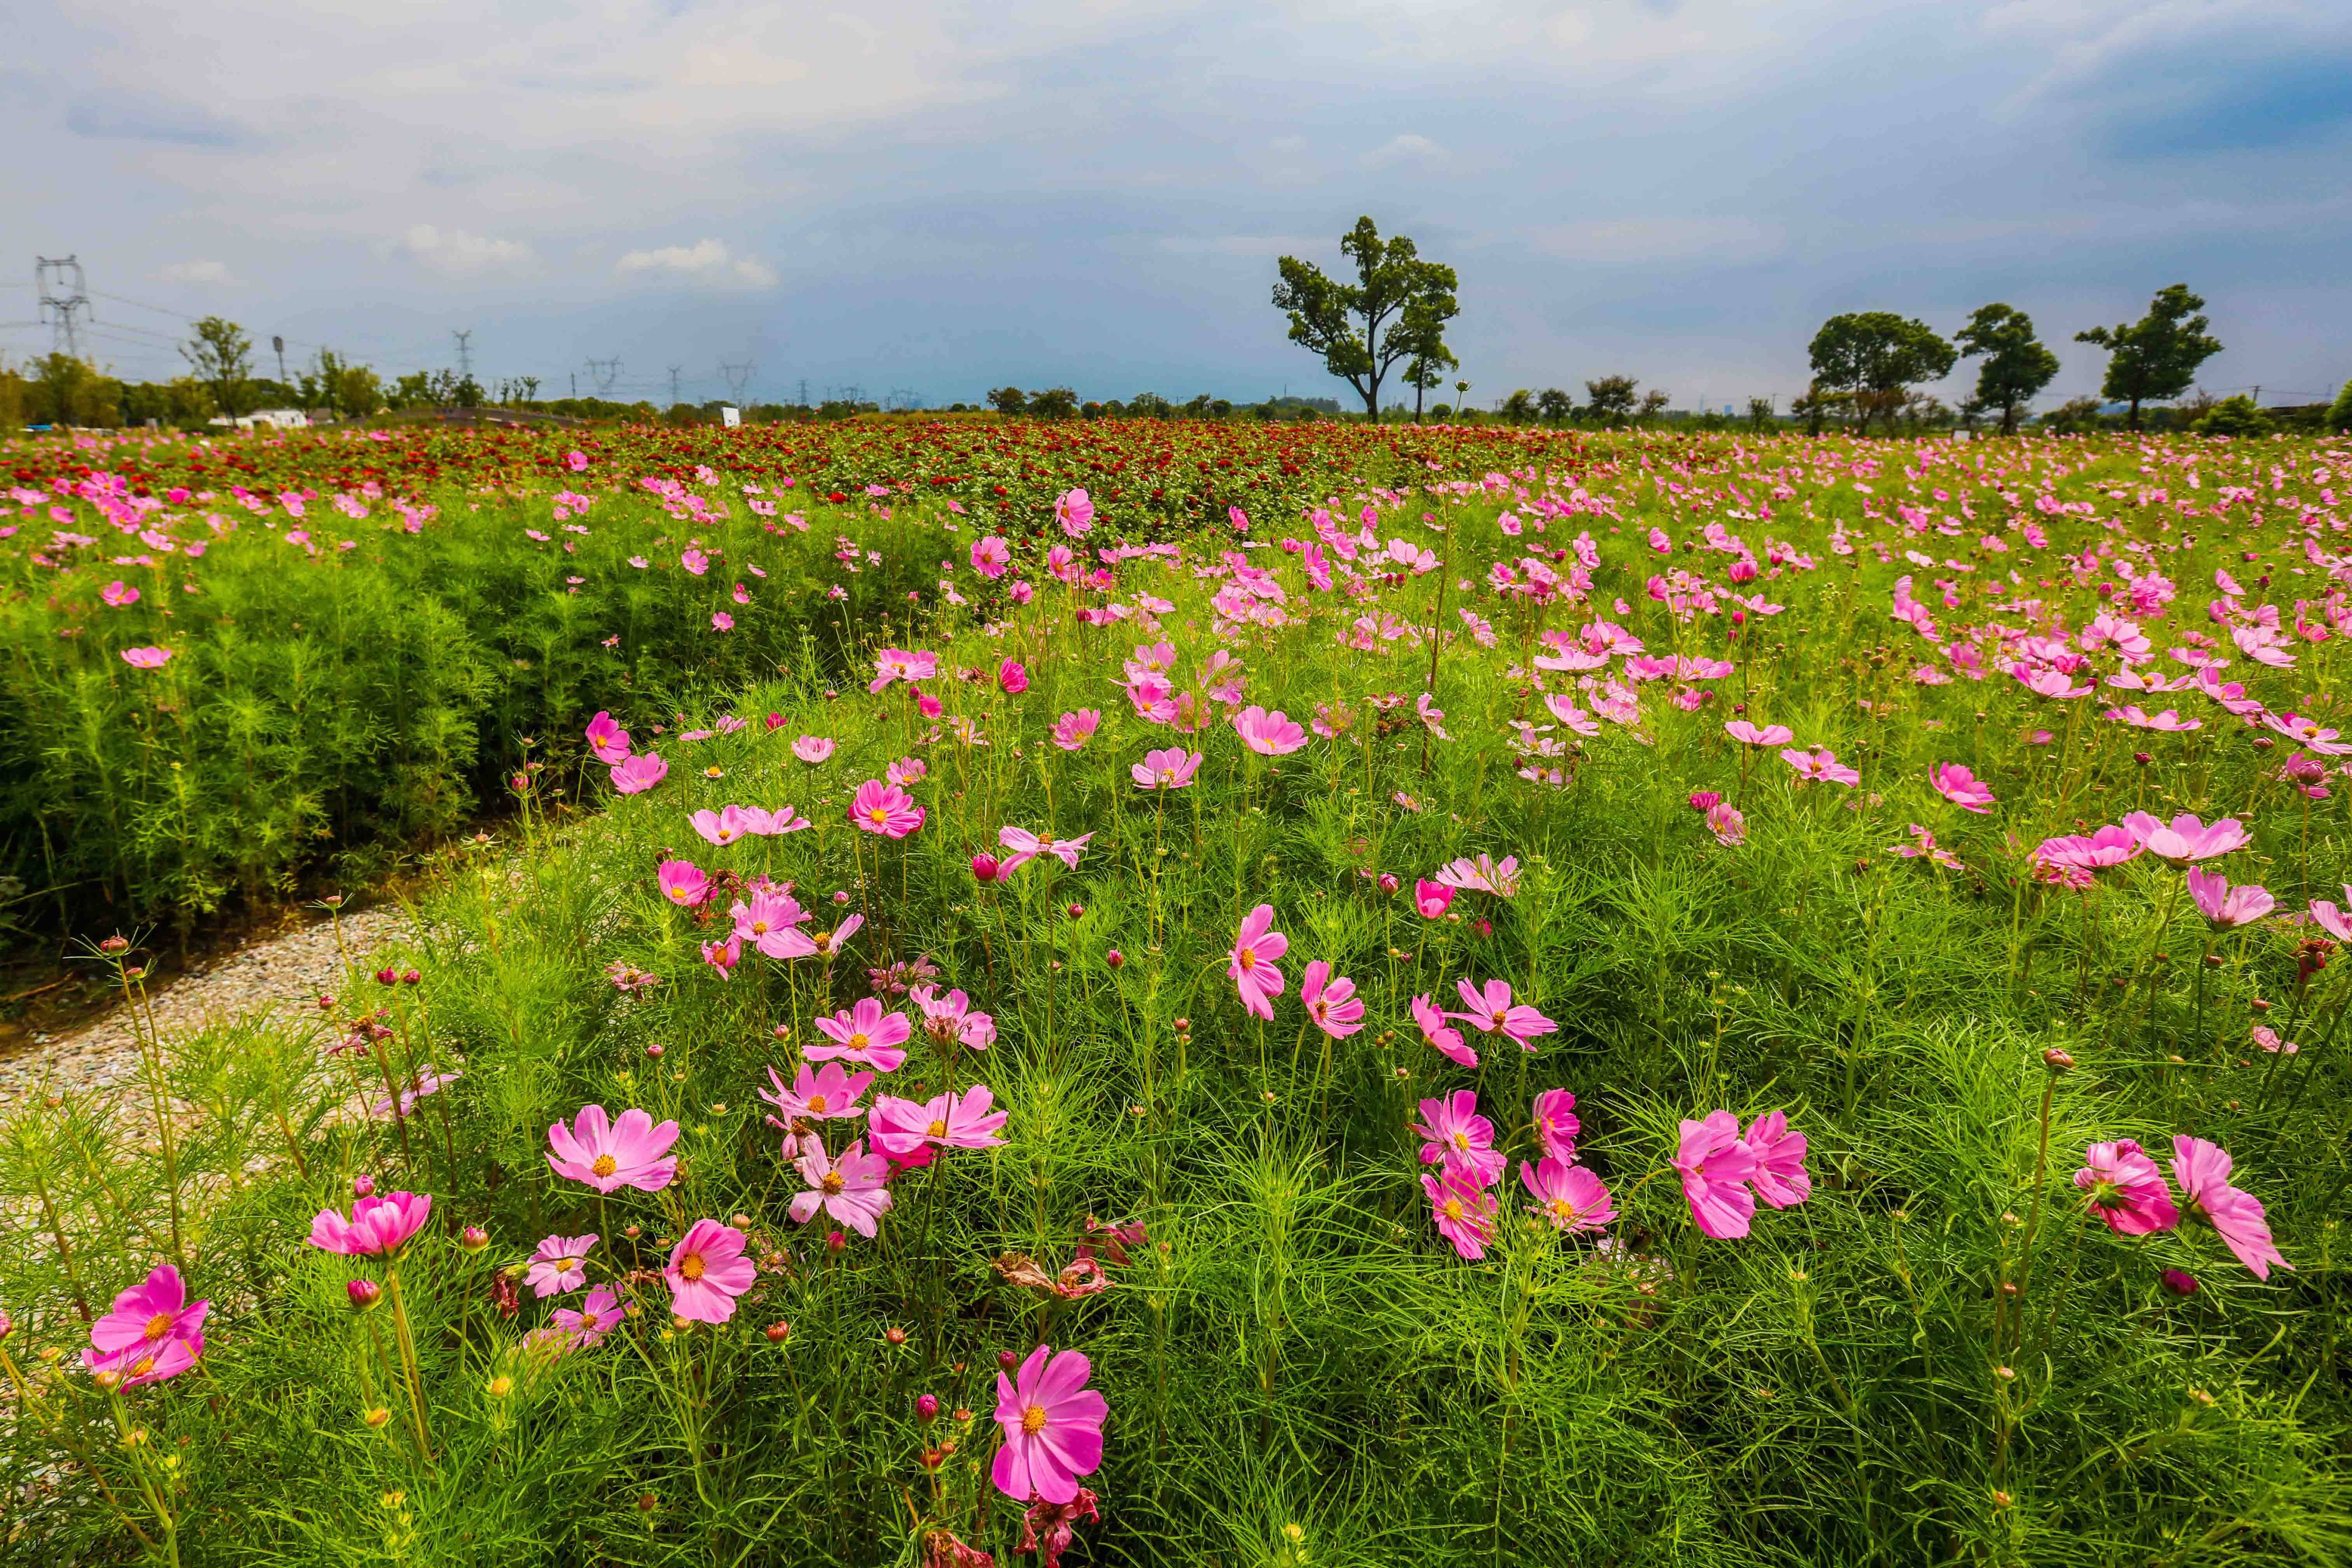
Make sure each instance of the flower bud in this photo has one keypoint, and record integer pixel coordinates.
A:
(411, 977)
(362, 1186)
(779, 1332)
(473, 1238)
(654, 1051)
(986, 868)
(926, 1409)
(1008, 1360)
(840, 896)
(1388, 883)
(896, 1336)
(114, 944)
(2057, 1060)
(835, 1241)
(1183, 1024)
(375, 1417)
(500, 1386)
(2179, 1283)
(7, 1324)
(1076, 911)
(1115, 958)
(364, 1293)
(387, 978)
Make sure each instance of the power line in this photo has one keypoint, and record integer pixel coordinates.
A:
(673, 383)
(465, 353)
(737, 376)
(63, 292)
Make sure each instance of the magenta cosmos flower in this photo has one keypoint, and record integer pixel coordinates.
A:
(1458, 1137)
(1052, 1428)
(813, 749)
(377, 1226)
(1273, 734)
(609, 1155)
(2125, 1189)
(2185, 840)
(2224, 905)
(1026, 847)
(148, 1315)
(1568, 1198)
(1493, 1012)
(707, 1271)
(1464, 1210)
(1748, 734)
(559, 1265)
(952, 1020)
(991, 556)
(849, 1189)
(599, 1314)
(724, 826)
(901, 1127)
(1556, 1125)
(635, 775)
(1961, 787)
(1431, 900)
(1331, 1002)
(1715, 1168)
(682, 883)
(1172, 768)
(885, 809)
(146, 657)
(2337, 922)
(1441, 1036)
(1819, 766)
(826, 1094)
(607, 742)
(1255, 947)
(1073, 730)
(2202, 1170)
(2109, 846)
(864, 1034)
(772, 922)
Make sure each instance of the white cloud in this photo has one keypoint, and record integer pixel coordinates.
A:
(212, 272)
(707, 261)
(1406, 149)
(454, 253)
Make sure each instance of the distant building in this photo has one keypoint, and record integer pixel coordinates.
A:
(274, 418)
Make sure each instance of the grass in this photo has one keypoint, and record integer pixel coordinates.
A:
(1297, 1368)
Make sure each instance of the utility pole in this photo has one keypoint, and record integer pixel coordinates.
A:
(673, 383)
(803, 401)
(62, 294)
(465, 353)
(605, 371)
(575, 386)
(737, 376)
(280, 344)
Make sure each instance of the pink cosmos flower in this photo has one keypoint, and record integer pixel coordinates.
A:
(415, 1090)
(147, 1317)
(849, 1190)
(824, 1094)
(146, 657)
(1820, 765)
(1076, 512)
(2337, 922)
(1026, 847)
(377, 1226)
(1715, 1169)
(1748, 734)
(1464, 1210)
(1442, 1036)
(885, 809)
(609, 1155)
(2309, 732)
(830, 943)
(720, 621)
(2110, 845)
(607, 742)
(1268, 735)
(1556, 1125)
(1456, 1135)
(1047, 1528)
(946, 1121)
(682, 883)
(119, 594)
(1568, 1198)
(1071, 730)
(1255, 947)
(1171, 768)
(1781, 1177)
(723, 956)
(1961, 787)
(813, 749)
(777, 823)
(2125, 1189)
(899, 664)
(1731, 829)
(1332, 1004)
(1052, 1428)
(770, 921)
(2224, 905)
(991, 556)
(864, 1034)
(576, 461)
(1492, 1011)
(2202, 1170)
(559, 1265)
(952, 1020)
(1012, 677)
(724, 826)
(635, 775)
(1482, 875)
(1430, 898)
(598, 1315)
(707, 1271)
(2185, 840)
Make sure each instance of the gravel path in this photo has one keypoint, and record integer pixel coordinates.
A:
(282, 974)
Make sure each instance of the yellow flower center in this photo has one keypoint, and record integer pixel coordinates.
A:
(1033, 1420)
(691, 1266)
(145, 1365)
(876, 814)
(817, 1104)
(1563, 1208)
(566, 1265)
(832, 1181)
(858, 1042)
(1454, 1208)
(159, 1325)
(1462, 1142)
(1249, 958)
(759, 927)
(605, 1165)
(936, 1129)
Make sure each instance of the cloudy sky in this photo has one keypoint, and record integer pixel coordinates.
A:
(937, 197)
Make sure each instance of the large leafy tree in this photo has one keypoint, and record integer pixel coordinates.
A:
(222, 357)
(2016, 363)
(2155, 359)
(1611, 399)
(1875, 355)
(1395, 310)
